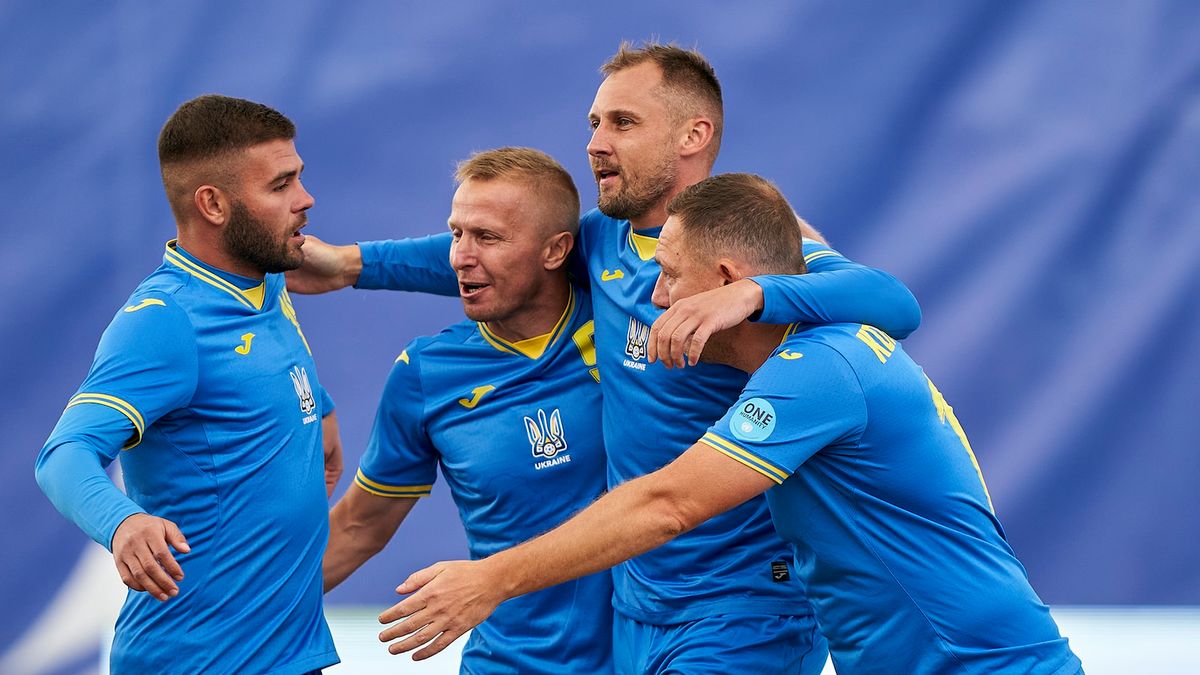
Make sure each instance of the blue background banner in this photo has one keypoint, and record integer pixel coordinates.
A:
(1029, 169)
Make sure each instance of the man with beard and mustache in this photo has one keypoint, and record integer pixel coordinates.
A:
(206, 380)
(725, 593)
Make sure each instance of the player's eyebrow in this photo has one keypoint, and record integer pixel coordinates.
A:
(288, 174)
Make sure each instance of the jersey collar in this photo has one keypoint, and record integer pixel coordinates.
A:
(249, 292)
(644, 244)
(532, 347)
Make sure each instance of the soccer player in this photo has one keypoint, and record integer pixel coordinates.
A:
(509, 404)
(657, 119)
(866, 469)
(205, 386)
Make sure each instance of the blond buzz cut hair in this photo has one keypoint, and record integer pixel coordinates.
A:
(548, 179)
(689, 83)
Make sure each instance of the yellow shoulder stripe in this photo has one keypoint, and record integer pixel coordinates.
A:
(144, 304)
(754, 462)
(412, 491)
(823, 253)
(120, 405)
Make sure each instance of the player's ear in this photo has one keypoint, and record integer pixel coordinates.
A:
(213, 203)
(556, 250)
(729, 271)
(696, 137)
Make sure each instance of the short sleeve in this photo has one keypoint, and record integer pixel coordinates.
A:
(400, 460)
(146, 365)
(803, 399)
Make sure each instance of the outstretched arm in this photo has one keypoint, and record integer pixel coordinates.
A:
(450, 598)
(420, 264)
(835, 290)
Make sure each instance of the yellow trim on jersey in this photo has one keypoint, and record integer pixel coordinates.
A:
(289, 311)
(252, 298)
(532, 347)
(148, 302)
(120, 405)
(642, 245)
(411, 491)
(823, 253)
(745, 457)
(403, 357)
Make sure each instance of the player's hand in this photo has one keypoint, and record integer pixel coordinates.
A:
(332, 439)
(677, 338)
(325, 268)
(448, 599)
(142, 552)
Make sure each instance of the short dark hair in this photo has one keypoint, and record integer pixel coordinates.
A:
(688, 78)
(545, 175)
(211, 125)
(202, 132)
(744, 215)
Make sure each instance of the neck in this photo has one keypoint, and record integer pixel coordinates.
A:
(212, 254)
(536, 317)
(745, 346)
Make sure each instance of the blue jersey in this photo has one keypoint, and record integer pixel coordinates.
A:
(651, 414)
(885, 504)
(516, 430)
(207, 380)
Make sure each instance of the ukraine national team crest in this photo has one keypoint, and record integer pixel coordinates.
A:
(303, 392)
(636, 338)
(547, 438)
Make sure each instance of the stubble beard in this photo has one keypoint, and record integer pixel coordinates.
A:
(249, 240)
(638, 196)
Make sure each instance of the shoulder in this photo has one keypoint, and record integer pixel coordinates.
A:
(811, 357)
(815, 250)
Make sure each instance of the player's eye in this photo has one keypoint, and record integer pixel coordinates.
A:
(282, 186)
(594, 124)
(624, 122)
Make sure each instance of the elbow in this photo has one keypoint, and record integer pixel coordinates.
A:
(671, 514)
(906, 311)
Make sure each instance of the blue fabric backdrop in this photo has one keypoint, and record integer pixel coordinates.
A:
(1030, 169)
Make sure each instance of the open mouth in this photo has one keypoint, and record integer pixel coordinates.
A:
(467, 290)
(605, 175)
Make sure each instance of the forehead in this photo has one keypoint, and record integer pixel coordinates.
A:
(633, 88)
(496, 202)
(270, 158)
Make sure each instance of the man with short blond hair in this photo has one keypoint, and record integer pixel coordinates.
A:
(508, 404)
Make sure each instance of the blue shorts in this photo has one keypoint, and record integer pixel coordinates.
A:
(728, 643)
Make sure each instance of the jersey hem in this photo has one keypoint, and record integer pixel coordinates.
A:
(695, 612)
(322, 660)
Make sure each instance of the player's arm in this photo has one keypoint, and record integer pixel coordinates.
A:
(145, 366)
(360, 525)
(398, 467)
(420, 264)
(450, 598)
(834, 290)
(331, 440)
